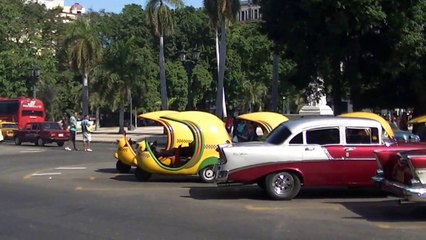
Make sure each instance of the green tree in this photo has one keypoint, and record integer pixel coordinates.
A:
(84, 53)
(120, 73)
(321, 36)
(222, 13)
(255, 94)
(162, 22)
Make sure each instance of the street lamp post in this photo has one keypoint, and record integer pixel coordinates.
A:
(189, 65)
(34, 75)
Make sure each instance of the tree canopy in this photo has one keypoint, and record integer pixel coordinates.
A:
(372, 52)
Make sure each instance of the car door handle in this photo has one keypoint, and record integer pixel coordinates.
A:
(348, 149)
(309, 149)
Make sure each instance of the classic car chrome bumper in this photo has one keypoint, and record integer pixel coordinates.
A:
(221, 175)
(412, 194)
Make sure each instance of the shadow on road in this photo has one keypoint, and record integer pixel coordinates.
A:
(386, 211)
(107, 170)
(255, 192)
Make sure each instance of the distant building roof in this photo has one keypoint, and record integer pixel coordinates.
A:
(77, 6)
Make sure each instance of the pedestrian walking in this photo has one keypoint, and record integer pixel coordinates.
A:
(85, 129)
(73, 131)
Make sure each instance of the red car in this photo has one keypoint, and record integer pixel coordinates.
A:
(314, 152)
(41, 133)
(402, 173)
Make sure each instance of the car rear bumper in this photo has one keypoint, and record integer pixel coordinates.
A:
(54, 140)
(410, 193)
(221, 175)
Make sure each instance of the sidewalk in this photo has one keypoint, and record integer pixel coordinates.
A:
(110, 134)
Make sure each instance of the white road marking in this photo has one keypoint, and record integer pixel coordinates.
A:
(71, 168)
(46, 174)
(30, 151)
(296, 208)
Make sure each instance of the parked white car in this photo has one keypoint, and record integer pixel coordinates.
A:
(314, 152)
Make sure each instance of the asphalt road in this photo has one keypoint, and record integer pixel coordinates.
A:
(49, 193)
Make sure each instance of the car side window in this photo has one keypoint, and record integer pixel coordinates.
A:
(362, 135)
(323, 136)
(298, 139)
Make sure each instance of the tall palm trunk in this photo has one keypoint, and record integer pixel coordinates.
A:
(337, 88)
(222, 54)
(218, 66)
(163, 85)
(274, 87)
(85, 94)
(98, 117)
(121, 115)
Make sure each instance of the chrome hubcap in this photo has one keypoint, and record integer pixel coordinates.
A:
(283, 182)
(208, 174)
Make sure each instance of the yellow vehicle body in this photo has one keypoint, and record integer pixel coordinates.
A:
(373, 116)
(178, 134)
(417, 120)
(125, 154)
(267, 121)
(207, 132)
(7, 129)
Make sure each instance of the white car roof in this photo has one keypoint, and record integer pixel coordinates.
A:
(298, 125)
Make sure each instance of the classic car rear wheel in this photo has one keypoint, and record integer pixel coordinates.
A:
(207, 174)
(261, 183)
(18, 141)
(142, 175)
(122, 168)
(282, 185)
(40, 142)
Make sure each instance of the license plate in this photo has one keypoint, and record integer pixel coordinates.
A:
(60, 134)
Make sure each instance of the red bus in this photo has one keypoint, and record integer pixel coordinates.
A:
(22, 110)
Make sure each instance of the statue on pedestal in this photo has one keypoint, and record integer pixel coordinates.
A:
(316, 99)
(316, 93)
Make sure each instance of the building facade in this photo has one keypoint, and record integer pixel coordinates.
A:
(249, 12)
(69, 12)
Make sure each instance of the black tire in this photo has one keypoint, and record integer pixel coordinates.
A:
(60, 144)
(39, 142)
(17, 141)
(261, 183)
(142, 175)
(282, 185)
(122, 168)
(207, 175)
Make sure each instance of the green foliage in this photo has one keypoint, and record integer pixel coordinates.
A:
(177, 86)
(380, 45)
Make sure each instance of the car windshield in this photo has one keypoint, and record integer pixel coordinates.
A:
(393, 126)
(278, 135)
(55, 126)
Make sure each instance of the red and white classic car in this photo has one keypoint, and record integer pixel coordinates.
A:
(402, 173)
(314, 152)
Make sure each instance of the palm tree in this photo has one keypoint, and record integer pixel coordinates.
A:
(118, 74)
(255, 93)
(211, 9)
(162, 22)
(84, 52)
(221, 13)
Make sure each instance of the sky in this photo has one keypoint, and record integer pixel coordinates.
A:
(117, 5)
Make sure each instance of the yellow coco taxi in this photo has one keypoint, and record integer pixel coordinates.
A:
(194, 155)
(267, 121)
(125, 153)
(7, 129)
